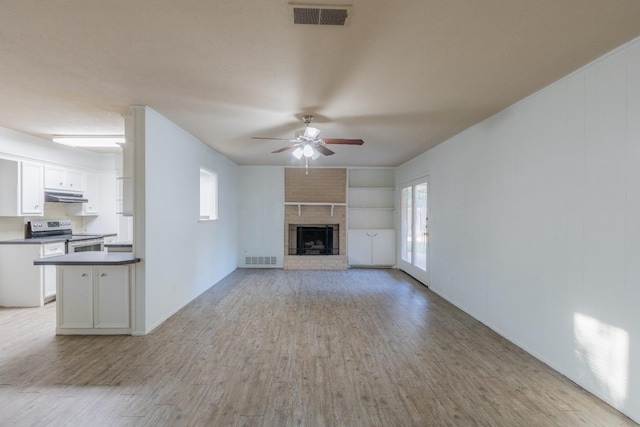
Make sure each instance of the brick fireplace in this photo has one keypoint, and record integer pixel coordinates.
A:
(314, 201)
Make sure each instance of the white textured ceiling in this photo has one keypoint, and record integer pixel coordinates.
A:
(403, 75)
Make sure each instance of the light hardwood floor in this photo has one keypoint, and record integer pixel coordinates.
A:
(280, 348)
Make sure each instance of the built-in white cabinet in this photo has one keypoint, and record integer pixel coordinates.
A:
(91, 193)
(75, 288)
(93, 299)
(374, 247)
(111, 302)
(23, 284)
(21, 191)
(63, 179)
(371, 238)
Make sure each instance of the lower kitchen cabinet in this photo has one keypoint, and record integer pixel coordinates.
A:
(371, 247)
(23, 284)
(94, 300)
(112, 297)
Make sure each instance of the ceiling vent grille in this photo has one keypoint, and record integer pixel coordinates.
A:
(320, 15)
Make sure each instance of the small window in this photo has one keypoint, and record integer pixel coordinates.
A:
(208, 195)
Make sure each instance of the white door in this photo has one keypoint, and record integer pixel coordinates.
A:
(414, 229)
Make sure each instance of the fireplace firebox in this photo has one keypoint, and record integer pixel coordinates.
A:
(314, 239)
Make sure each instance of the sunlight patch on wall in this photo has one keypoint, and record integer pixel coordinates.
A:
(604, 349)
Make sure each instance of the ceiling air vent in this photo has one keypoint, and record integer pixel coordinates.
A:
(320, 15)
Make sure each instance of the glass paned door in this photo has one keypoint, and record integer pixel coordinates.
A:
(414, 228)
(407, 214)
(420, 230)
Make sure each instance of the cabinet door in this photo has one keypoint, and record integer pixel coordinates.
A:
(112, 297)
(383, 247)
(57, 178)
(359, 247)
(54, 178)
(75, 292)
(74, 180)
(91, 193)
(31, 191)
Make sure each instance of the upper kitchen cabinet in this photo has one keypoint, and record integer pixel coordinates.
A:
(62, 179)
(91, 193)
(21, 188)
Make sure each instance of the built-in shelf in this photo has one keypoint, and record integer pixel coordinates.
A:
(371, 198)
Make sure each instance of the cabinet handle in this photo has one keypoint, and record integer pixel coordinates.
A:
(36, 206)
(60, 184)
(83, 275)
(375, 234)
(103, 274)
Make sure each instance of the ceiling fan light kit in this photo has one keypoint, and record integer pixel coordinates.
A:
(308, 144)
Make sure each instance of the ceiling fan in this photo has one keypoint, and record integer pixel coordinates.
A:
(307, 143)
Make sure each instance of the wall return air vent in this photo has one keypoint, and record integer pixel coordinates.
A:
(306, 14)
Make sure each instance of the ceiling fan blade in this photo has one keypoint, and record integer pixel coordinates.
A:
(343, 141)
(324, 150)
(266, 137)
(288, 147)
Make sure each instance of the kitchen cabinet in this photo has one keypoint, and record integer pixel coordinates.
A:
(111, 297)
(21, 188)
(75, 288)
(91, 193)
(371, 247)
(23, 284)
(63, 179)
(93, 299)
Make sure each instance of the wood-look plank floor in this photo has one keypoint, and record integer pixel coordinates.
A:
(281, 348)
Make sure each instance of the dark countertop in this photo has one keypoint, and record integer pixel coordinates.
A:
(89, 258)
(49, 239)
(126, 244)
(35, 240)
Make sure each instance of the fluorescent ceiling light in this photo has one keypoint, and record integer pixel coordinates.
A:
(91, 141)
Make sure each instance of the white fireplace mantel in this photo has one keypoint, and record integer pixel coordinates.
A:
(300, 204)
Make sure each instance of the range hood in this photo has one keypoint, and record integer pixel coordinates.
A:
(55, 196)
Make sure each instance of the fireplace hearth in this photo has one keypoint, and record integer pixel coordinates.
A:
(314, 239)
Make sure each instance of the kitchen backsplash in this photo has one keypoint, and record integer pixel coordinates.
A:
(13, 227)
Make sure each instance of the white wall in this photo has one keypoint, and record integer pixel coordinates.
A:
(261, 213)
(535, 225)
(182, 257)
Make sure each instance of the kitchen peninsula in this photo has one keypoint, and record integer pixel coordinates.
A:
(95, 291)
